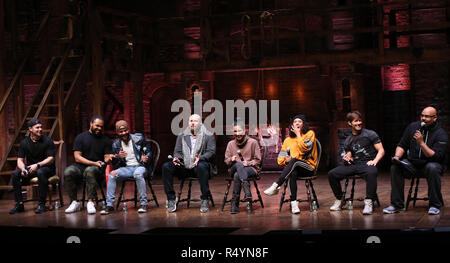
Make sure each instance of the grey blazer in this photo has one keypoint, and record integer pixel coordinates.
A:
(207, 153)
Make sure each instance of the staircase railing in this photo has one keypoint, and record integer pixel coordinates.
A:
(21, 68)
(36, 97)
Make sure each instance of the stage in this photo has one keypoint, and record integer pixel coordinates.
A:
(323, 226)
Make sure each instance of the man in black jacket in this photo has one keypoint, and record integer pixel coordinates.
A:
(131, 156)
(194, 154)
(425, 143)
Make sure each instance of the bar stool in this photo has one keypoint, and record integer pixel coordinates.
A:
(352, 193)
(308, 182)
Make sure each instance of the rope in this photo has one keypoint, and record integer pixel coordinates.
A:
(246, 48)
(266, 18)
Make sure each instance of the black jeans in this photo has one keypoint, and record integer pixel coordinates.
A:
(42, 174)
(432, 171)
(73, 176)
(368, 173)
(240, 173)
(297, 172)
(201, 171)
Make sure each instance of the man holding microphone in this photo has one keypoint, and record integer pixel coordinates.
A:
(425, 144)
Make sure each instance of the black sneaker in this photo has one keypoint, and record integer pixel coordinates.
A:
(107, 210)
(40, 209)
(18, 208)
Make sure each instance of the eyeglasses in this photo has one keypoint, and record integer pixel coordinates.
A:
(427, 116)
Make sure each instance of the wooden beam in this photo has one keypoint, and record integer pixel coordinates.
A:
(3, 126)
(138, 79)
(96, 62)
(369, 57)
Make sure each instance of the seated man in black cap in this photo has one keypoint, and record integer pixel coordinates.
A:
(35, 159)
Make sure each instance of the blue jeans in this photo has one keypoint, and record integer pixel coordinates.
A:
(123, 173)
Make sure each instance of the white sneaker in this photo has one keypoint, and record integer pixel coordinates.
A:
(91, 208)
(74, 206)
(336, 206)
(294, 207)
(272, 190)
(368, 207)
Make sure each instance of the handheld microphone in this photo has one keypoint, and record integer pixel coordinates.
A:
(25, 171)
(288, 150)
(144, 150)
(240, 155)
(178, 161)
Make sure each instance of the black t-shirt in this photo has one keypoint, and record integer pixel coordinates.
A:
(92, 147)
(35, 152)
(361, 146)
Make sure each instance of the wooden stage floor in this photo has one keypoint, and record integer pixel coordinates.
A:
(259, 222)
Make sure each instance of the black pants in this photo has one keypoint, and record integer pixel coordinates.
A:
(368, 173)
(201, 171)
(73, 176)
(42, 174)
(297, 172)
(240, 173)
(432, 171)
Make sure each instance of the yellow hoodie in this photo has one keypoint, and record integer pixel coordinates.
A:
(303, 148)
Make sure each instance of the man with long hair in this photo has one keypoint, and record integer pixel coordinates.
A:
(362, 152)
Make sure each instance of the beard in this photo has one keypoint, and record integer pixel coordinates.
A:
(96, 132)
(195, 130)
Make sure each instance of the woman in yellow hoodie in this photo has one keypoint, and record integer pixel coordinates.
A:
(300, 146)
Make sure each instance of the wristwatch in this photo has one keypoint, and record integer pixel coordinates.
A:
(38, 165)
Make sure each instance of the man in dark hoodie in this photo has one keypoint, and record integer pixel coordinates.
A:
(425, 143)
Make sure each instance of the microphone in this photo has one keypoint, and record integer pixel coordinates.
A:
(288, 150)
(240, 155)
(144, 150)
(180, 162)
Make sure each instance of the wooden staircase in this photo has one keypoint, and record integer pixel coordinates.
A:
(56, 97)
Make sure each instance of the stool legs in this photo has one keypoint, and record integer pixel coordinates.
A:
(352, 194)
(153, 192)
(308, 194)
(258, 193)
(415, 192)
(189, 194)
(282, 195)
(227, 191)
(120, 195)
(314, 194)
